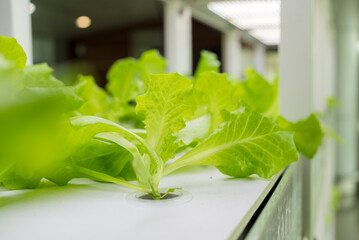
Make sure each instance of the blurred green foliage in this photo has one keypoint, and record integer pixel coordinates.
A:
(57, 132)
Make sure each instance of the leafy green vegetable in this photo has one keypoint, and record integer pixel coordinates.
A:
(165, 105)
(62, 132)
(127, 79)
(148, 175)
(195, 130)
(31, 139)
(98, 155)
(213, 92)
(40, 75)
(34, 122)
(208, 61)
(142, 172)
(66, 95)
(61, 173)
(123, 81)
(308, 134)
(247, 143)
(259, 93)
(12, 51)
(31, 122)
(151, 62)
(102, 156)
(96, 101)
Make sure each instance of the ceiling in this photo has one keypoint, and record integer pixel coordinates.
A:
(238, 14)
(57, 17)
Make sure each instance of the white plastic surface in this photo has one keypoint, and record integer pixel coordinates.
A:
(90, 210)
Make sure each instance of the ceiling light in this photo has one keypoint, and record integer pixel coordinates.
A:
(260, 22)
(32, 8)
(246, 9)
(268, 36)
(261, 18)
(83, 22)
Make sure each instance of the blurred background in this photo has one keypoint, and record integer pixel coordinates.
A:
(88, 36)
(312, 44)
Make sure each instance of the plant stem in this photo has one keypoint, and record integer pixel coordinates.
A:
(180, 163)
(153, 155)
(154, 174)
(108, 178)
(155, 193)
(153, 179)
(172, 167)
(141, 168)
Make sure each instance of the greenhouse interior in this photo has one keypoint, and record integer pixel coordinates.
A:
(179, 119)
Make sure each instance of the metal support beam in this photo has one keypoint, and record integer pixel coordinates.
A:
(178, 36)
(15, 21)
(232, 51)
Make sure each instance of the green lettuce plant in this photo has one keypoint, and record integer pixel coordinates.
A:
(67, 132)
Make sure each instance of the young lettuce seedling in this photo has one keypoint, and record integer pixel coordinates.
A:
(228, 134)
(74, 132)
(242, 142)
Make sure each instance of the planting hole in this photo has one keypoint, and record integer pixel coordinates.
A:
(168, 196)
(177, 197)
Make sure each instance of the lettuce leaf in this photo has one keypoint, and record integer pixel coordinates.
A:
(128, 78)
(259, 93)
(165, 105)
(196, 130)
(151, 62)
(208, 61)
(12, 51)
(213, 93)
(123, 80)
(246, 143)
(308, 134)
(32, 139)
(62, 132)
(96, 100)
(40, 75)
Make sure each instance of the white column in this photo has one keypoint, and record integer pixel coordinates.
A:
(15, 21)
(260, 58)
(295, 59)
(232, 51)
(306, 59)
(347, 85)
(323, 54)
(178, 36)
(296, 82)
(322, 170)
